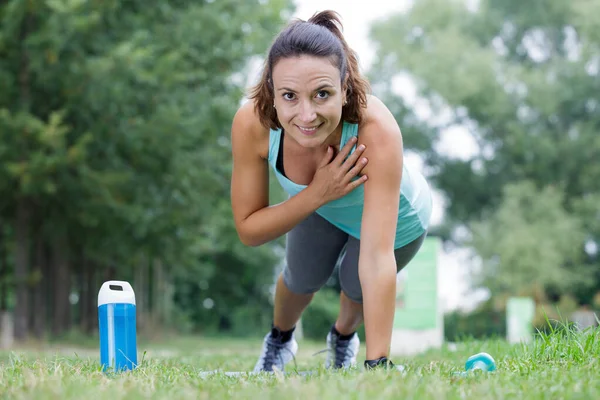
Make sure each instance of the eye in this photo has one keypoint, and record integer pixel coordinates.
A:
(288, 96)
(322, 94)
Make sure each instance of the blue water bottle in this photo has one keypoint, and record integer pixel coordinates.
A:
(117, 326)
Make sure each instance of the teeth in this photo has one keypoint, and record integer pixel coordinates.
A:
(314, 128)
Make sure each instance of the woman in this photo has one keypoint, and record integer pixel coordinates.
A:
(338, 153)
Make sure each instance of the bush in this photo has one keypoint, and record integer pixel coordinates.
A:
(483, 323)
(251, 320)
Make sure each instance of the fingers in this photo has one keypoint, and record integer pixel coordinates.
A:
(356, 183)
(353, 158)
(344, 151)
(347, 163)
(358, 167)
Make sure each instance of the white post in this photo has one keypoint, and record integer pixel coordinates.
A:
(7, 335)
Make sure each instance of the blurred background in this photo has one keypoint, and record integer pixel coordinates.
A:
(115, 158)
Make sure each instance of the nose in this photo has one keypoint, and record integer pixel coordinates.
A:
(307, 112)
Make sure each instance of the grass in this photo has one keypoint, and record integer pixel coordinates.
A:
(557, 365)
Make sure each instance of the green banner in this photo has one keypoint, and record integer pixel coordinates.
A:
(519, 319)
(416, 290)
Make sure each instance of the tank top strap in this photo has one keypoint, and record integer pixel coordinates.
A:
(274, 139)
(348, 131)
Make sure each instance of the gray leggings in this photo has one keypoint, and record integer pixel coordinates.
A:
(315, 246)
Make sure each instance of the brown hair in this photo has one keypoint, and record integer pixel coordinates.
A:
(320, 36)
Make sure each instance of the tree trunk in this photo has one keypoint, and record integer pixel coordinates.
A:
(21, 328)
(87, 298)
(140, 287)
(163, 294)
(21, 270)
(6, 317)
(94, 284)
(39, 290)
(110, 273)
(3, 269)
(158, 294)
(62, 285)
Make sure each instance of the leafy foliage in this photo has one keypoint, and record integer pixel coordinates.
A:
(522, 81)
(530, 242)
(114, 131)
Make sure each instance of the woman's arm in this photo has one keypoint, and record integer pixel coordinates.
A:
(377, 264)
(256, 221)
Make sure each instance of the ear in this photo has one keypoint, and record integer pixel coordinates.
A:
(345, 88)
(345, 82)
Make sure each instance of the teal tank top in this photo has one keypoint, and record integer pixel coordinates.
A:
(346, 212)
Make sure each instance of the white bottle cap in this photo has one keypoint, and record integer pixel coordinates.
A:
(116, 292)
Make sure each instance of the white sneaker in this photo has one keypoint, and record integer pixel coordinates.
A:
(276, 353)
(341, 353)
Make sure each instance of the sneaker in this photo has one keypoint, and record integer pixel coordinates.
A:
(276, 351)
(384, 363)
(381, 362)
(341, 353)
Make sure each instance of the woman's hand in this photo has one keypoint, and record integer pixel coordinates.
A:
(333, 178)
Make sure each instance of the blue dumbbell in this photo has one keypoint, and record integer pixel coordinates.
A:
(480, 361)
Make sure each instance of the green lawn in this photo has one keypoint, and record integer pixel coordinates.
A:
(556, 366)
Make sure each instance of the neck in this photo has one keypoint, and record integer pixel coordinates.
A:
(335, 137)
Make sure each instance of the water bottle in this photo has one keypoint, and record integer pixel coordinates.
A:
(481, 361)
(117, 326)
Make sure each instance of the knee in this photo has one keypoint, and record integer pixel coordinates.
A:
(301, 284)
(352, 291)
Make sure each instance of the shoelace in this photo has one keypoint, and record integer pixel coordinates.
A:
(340, 352)
(274, 349)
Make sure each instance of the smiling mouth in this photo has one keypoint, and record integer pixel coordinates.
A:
(309, 130)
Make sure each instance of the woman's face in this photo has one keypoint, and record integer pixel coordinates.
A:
(308, 98)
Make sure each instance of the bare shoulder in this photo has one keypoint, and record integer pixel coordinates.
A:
(248, 132)
(381, 135)
(379, 127)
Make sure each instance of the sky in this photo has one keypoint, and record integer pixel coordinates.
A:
(357, 17)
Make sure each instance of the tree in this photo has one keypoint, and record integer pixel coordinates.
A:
(530, 243)
(113, 157)
(522, 79)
